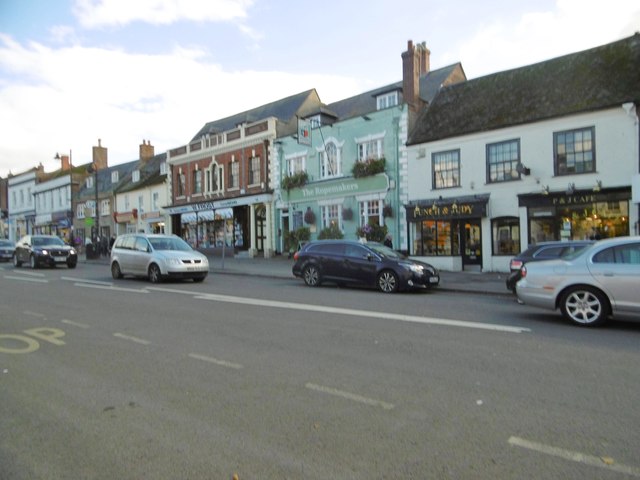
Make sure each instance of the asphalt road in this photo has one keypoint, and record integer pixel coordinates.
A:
(269, 379)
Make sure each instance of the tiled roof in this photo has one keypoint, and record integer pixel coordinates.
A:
(366, 102)
(594, 79)
(284, 109)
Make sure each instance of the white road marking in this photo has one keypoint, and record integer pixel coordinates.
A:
(34, 314)
(132, 339)
(109, 287)
(24, 279)
(349, 396)
(82, 280)
(575, 456)
(215, 361)
(359, 313)
(75, 324)
(30, 273)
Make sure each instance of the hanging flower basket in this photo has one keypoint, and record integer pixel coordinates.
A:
(387, 211)
(347, 213)
(309, 216)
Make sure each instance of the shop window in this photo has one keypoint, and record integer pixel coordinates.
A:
(371, 212)
(505, 234)
(331, 216)
(502, 161)
(446, 169)
(575, 151)
(436, 238)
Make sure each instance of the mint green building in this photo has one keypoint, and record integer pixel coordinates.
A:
(347, 165)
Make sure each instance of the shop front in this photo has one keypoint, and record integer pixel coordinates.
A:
(578, 215)
(448, 232)
(229, 226)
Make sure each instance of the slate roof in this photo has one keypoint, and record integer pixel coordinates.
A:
(149, 174)
(284, 109)
(590, 80)
(366, 102)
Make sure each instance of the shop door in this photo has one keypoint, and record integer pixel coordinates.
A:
(472, 244)
(261, 218)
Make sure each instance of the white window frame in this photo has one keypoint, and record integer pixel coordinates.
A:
(370, 147)
(326, 213)
(114, 176)
(296, 162)
(135, 176)
(214, 170)
(325, 172)
(387, 100)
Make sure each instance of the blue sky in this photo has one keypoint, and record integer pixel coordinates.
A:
(73, 71)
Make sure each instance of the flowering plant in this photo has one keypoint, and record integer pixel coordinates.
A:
(309, 216)
(372, 232)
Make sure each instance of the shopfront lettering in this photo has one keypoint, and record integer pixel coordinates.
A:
(452, 210)
(574, 199)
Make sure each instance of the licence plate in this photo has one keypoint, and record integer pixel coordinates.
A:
(59, 259)
(434, 279)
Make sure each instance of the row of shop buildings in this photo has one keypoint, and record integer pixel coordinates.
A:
(463, 173)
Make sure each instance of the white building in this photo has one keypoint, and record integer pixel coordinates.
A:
(545, 152)
(20, 202)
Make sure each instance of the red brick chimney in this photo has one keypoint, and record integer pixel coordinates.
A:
(415, 64)
(100, 156)
(65, 163)
(147, 150)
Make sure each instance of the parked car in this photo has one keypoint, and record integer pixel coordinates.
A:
(6, 250)
(370, 264)
(46, 250)
(589, 286)
(157, 257)
(541, 251)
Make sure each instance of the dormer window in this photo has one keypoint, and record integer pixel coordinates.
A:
(387, 100)
(90, 181)
(163, 168)
(136, 176)
(114, 176)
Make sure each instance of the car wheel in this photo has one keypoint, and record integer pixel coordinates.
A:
(155, 276)
(33, 262)
(387, 281)
(16, 262)
(198, 279)
(584, 306)
(71, 264)
(311, 275)
(116, 273)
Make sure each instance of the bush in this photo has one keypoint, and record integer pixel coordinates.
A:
(372, 232)
(294, 181)
(293, 238)
(332, 232)
(371, 166)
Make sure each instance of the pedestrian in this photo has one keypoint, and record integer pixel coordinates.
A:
(387, 241)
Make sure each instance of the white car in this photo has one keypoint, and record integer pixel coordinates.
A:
(157, 257)
(588, 287)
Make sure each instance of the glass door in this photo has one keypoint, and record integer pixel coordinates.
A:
(472, 243)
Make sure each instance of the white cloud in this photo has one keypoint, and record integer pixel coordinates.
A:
(76, 95)
(573, 25)
(99, 13)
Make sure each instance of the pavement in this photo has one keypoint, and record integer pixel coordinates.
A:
(490, 283)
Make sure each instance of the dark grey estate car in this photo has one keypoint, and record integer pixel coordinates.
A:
(370, 264)
(37, 250)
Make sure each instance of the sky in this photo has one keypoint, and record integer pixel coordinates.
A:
(128, 71)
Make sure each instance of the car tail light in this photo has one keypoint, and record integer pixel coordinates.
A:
(296, 255)
(516, 264)
(523, 271)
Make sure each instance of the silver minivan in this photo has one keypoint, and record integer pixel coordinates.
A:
(157, 257)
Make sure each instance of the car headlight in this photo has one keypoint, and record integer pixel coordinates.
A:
(44, 252)
(72, 251)
(419, 269)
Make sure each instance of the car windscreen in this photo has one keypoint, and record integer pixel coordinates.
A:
(6, 243)
(385, 251)
(169, 243)
(42, 241)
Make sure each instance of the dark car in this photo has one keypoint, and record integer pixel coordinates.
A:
(541, 251)
(47, 250)
(6, 250)
(369, 264)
